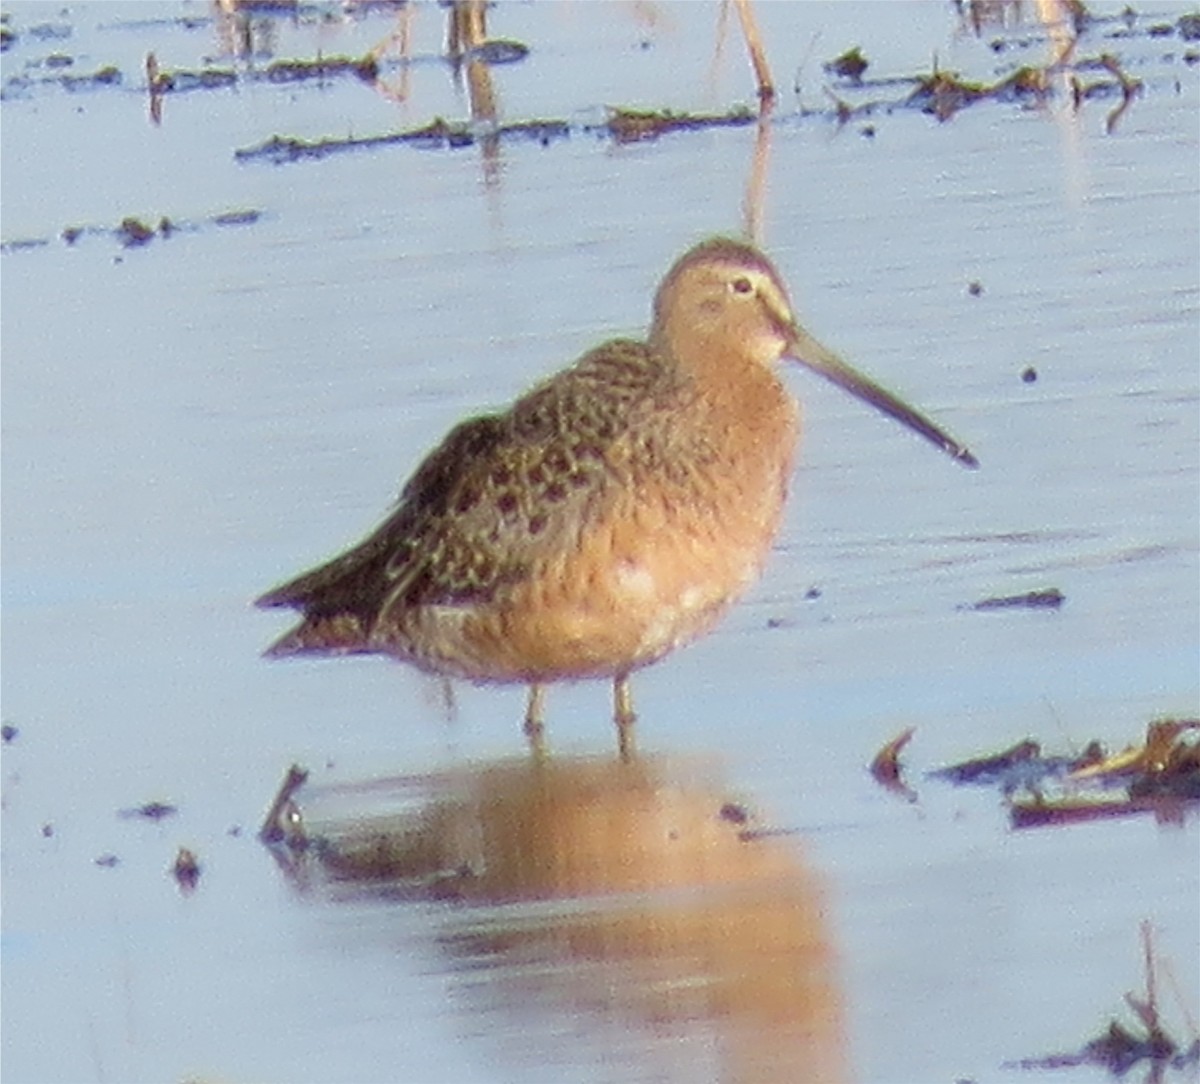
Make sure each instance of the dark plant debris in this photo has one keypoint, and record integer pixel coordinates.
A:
(9, 733)
(319, 69)
(236, 218)
(850, 65)
(186, 871)
(1051, 598)
(634, 125)
(498, 51)
(134, 232)
(323, 68)
(108, 76)
(984, 14)
(941, 94)
(150, 811)
(1008, 768)
(1160, 776)
(622, 125)
(886, 767)
(283, 823)
(1120, 1047)
(107, 861)
(365, 68)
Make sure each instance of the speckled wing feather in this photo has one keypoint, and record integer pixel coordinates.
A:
(499, 493)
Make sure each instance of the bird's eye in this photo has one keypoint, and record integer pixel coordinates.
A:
(742, 285)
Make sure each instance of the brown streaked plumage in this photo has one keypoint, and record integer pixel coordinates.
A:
(609, 516)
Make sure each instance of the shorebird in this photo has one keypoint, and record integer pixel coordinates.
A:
(609, 516)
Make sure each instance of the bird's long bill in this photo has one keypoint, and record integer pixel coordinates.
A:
(812, 355)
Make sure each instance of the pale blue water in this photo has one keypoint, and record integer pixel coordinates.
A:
(188, 422)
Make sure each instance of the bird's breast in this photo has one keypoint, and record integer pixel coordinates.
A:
(683, 526)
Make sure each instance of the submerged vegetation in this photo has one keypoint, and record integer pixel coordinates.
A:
(1160, 776)
(1121, 1046)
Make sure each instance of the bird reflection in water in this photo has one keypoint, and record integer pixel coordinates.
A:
(627, 917)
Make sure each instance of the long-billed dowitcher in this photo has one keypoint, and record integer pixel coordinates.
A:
(609, 516)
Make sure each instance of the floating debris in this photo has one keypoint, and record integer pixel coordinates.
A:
(850, 65)
(437, 134)
(939, 93)
(997, 767)
(9, 733)
(734, 813)
(151, 811)
(1029, 375)
(109, 76)
(283, 822)
(1049, 599)
(975, 288)
(365, 68)
(944, 94)
(261, 7)
(236, 218)
(886, 767)
(623, 125)
(498, 51)
(23, 244)
(50, 31)
(133, 233)
(1161, 776)
(1120, 1048)
(635, 125)
(186, 871)
(182, 82)
(107, 861)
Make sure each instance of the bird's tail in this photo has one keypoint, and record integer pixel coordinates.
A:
(332, 634)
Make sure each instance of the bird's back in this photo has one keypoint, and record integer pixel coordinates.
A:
(499, 497)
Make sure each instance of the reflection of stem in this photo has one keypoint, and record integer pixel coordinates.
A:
(719, 47)
(481, 91)
(1130, 88)
(468, 31)
(482, 94)
(401, 38)
(280, 824)
(467, 28)
(756, 186)
(154, 85)
(1055, 16)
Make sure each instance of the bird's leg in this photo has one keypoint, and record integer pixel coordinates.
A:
(624, 716)
(535, 728)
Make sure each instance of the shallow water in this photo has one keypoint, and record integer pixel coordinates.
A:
(187, 422)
